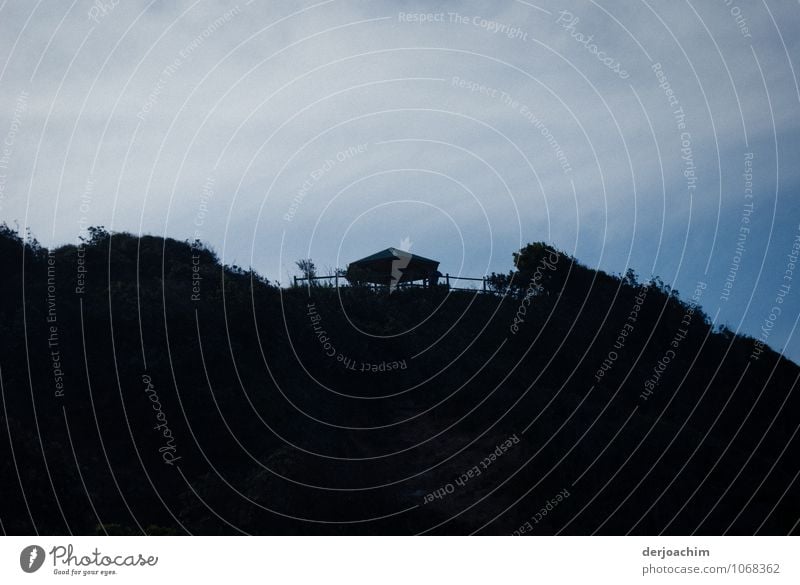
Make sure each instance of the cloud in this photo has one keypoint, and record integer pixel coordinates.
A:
(476, 111)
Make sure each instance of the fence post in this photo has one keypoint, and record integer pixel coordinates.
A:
(484, 283)
(295, 281)
(447, 279)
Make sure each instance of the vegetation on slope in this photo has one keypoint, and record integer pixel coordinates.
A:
(146, 388)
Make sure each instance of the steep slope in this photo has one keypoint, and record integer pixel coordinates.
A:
(147, 388)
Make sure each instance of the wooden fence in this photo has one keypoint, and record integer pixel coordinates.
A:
(445, 281)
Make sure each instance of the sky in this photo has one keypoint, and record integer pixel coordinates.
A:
(657, 136)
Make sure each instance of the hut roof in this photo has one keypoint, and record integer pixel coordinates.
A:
(395, 254)
(392, 266)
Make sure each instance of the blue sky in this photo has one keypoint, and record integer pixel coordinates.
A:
(280, 130)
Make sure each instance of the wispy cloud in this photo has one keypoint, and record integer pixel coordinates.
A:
(462, 118)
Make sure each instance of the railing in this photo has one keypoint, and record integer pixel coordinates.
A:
(298, 279)
(446, 277)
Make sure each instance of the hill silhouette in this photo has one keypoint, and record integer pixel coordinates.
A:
(147, 388)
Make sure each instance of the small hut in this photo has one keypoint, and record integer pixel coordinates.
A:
(392, 267)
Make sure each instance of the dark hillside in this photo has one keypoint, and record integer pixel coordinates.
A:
(148, 388)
